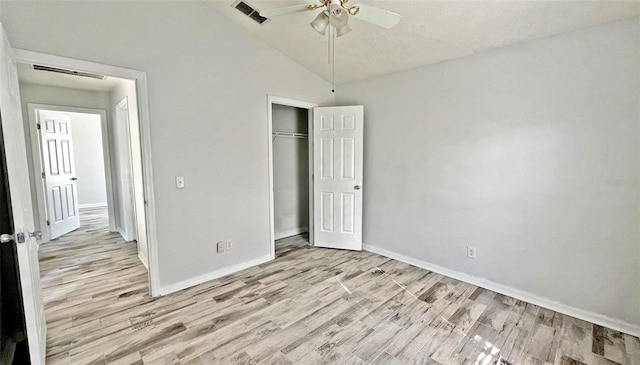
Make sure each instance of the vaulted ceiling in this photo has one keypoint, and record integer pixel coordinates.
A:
(429, 32)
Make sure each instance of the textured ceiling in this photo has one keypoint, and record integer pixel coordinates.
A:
(429, 32)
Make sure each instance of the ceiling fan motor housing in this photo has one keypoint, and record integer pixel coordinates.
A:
(335, 7)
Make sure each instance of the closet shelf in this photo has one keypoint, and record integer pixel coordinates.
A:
(289, 135)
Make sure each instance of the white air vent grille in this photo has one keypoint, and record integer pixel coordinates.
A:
(67, 72)
(249, 11)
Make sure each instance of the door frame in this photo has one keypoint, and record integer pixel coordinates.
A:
(271, 100)
(123, 105)
(36, 151)
(142, 94)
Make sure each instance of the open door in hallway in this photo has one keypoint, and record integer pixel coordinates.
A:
(337, 183)
(21, 207)
(59, 172)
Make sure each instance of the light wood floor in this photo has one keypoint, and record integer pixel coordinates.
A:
(309, 306)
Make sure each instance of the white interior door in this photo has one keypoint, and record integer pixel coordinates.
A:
(337, 170)
(21, 207)
(59, 171)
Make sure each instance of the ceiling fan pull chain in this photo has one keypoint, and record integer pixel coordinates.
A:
(329, 46)
(333, 61)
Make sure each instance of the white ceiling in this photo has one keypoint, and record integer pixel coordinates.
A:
(28, 75)
(429, 32)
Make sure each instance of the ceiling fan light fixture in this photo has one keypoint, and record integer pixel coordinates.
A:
(338, 18)
(320, 23)
(343, 30)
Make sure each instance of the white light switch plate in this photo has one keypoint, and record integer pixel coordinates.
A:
(179, 182)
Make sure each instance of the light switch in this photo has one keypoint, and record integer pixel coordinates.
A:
(179, 182)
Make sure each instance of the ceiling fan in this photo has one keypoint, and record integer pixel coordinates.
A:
(336, 13)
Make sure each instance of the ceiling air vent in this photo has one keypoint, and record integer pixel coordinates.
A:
(67, 72)
(249, 11)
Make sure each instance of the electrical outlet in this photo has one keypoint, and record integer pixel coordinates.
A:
(179, 182)
(229, 244)
(471, 252)
(221, 247)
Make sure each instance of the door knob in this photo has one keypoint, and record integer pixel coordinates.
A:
(74, 178)
(357, 187)
(6, 238)
(36, 234)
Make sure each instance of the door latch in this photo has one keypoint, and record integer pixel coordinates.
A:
(20, 237)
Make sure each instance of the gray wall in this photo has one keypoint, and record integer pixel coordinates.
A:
(208, 82)
(86, 131)
(529, 152)
(290, 172)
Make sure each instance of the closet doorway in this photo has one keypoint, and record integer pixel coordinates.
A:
(290, 171)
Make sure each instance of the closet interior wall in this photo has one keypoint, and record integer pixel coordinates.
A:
(290, 171)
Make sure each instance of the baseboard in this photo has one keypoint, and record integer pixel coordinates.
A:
(92, 205)
(124, 235)
(144, 260)
(291, 232)
(212, 275)
(586, 315)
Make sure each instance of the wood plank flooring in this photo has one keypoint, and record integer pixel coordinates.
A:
(309, 306)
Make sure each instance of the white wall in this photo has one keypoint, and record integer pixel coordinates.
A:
(290, 172)
(49, 95)
(208, 83)
(86, 131)
(529, 152)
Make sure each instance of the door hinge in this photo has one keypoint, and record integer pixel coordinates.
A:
(48, 223)
(44, 175)
(38, 125)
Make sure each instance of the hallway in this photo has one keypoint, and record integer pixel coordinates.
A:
(85, 274)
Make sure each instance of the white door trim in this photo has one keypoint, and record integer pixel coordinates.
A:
(271, 99)
(36, 152)
(140, 77)
(123, 105)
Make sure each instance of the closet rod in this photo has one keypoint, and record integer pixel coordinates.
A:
(290, 134)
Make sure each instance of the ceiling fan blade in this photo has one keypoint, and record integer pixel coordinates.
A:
(383, 18)
(270, 13)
